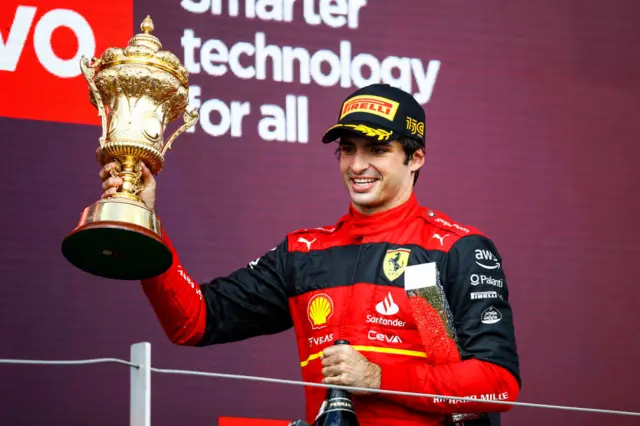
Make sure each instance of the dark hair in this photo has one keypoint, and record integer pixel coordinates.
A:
(410, 147)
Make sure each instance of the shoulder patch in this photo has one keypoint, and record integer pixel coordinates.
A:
(322, 230)
(446, 224)
(309, 239)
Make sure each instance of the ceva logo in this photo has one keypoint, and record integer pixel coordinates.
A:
(41, 43)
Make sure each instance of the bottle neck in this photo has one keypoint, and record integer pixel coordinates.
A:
(337, 400)
(337, 404)
(337, 393)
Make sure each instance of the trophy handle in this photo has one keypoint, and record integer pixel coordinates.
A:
(89, 73)
(190, 119)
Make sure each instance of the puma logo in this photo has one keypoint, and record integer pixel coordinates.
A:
(308, 243)
(438, 237)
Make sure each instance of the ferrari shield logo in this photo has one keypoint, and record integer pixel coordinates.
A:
(394, 263)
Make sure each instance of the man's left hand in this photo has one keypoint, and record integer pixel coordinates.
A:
(344, 366)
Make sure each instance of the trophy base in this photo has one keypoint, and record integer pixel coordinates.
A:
(120, 239)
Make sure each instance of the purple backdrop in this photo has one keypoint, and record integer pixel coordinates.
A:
(531, 138)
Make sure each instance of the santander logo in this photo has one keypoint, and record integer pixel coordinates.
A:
(387, 306)
(41, 44)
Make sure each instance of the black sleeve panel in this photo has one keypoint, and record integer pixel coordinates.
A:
(251, 301)
(476, 288)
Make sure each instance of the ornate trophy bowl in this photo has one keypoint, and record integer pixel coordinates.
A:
(137, 91)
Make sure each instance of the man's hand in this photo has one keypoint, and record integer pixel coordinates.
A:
(110, 184)
(344, 366)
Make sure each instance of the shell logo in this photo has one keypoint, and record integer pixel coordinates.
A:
(319, 310)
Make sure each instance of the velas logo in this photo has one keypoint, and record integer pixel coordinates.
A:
(319, 310)
(376, 105)
(41, 44)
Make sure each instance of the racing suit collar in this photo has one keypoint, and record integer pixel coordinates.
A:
(361, 224)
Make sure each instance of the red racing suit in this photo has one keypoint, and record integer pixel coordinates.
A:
(346, 282)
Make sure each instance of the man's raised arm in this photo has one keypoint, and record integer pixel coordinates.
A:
(250, 301)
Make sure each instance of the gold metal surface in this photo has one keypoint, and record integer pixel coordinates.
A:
(138, 90)
(121, 210)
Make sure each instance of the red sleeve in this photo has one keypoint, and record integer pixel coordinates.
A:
(178, 302)
(468, 379)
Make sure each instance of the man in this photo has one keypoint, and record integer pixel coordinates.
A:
(346, 282)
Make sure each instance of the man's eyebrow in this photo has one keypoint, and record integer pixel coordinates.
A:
(378, 144)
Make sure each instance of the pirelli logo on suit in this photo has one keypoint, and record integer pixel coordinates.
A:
(383, 107)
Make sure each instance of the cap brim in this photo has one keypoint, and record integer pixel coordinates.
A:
(374, 133)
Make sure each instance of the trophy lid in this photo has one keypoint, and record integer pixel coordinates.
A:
(143, 49)
(146, 39)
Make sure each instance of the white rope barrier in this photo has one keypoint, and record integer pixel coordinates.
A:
(141, 392)
(419, 395)
(71, 362)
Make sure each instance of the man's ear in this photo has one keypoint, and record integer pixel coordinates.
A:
(417, 160)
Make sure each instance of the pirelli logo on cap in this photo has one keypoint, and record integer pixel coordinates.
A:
(376, 105)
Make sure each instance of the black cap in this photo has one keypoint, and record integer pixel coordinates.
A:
(380, 112)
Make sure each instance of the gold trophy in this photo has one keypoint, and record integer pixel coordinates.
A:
(137, 90)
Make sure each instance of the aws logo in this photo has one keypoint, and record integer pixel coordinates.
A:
(319, 310)
(41, 44)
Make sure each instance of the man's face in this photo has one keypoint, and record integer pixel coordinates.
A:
(375, 174)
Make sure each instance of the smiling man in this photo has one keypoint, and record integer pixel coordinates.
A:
(381, 143)
(346, 282)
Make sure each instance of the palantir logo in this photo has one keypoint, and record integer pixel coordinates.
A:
(41, 44)
(387, 306)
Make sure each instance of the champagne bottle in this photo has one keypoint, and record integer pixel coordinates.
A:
(337, 407)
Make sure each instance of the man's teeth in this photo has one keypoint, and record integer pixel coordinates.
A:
(363, 181)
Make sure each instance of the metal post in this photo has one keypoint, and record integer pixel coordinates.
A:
(140, 405)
